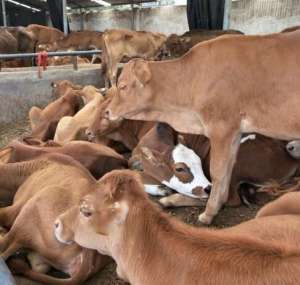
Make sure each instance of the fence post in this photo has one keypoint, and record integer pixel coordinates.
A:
(4, 13)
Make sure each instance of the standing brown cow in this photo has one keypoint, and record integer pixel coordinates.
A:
(120, 44)
(44, 34)
(221, 88)
(179, 45)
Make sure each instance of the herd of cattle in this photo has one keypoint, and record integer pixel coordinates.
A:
(191, 130)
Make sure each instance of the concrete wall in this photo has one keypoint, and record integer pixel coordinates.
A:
(20, 90)
(264, 16)
(165, 19)
(249, 16)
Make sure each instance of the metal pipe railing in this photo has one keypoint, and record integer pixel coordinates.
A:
(58, 53)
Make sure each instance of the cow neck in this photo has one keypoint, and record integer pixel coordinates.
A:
(14, 174)
(152, 243)
(174, 97)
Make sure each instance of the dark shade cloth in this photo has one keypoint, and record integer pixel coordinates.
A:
(56, 14)
(205, 14)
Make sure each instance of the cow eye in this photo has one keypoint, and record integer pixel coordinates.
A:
(86, 213)
(180, 169)
(122, 86)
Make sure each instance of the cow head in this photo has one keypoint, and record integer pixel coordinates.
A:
(133, 93)
(172, 163)
(100, 214)
(60, 87)
(101, 125)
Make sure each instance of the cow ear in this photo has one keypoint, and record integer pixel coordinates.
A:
(142, 71)
(5, 154)
(34, 116)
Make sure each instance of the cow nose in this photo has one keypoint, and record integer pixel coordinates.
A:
(290, 148)
(207, 189)
(107, 114)
(57, 224)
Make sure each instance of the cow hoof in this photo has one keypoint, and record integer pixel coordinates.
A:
(165, 202)
(205, 219)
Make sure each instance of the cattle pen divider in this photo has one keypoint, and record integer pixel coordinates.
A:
(73, 54)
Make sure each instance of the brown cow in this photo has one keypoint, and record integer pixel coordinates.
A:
(25, 40)
(70, 128)
(121, 44)
(288, 204)
(98, 159)
(81, 40)
(44, 121)
(53, 184)
(179, 45)
(119, 220)
(8, 43)
(63, 60)
(213, 104)
(127, 132)
(44, 34)
(61, 87)
(257, 163)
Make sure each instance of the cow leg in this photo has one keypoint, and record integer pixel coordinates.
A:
(234, 199)
(9, 245)
(223, 154)
(179, 200)
(9, 214)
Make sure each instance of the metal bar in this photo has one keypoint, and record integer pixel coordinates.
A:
(64, 9)
(75, 63)
(4, 13)
(227, 12)
(59, 53)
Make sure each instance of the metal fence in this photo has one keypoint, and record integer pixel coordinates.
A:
(73, 54)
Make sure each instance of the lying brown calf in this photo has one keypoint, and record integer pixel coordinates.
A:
(119, 220)
(61, 87)
(44, 121)
(98, 159)
(260, 160)
(288, 204)
(54, 183)
(128, 132)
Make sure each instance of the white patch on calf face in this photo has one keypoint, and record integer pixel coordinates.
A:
(249, 137)
(182, 154)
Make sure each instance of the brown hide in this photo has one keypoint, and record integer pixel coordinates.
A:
(81, 40)
(98, 159)
(179, 45)
(44, 34)
(214, 104)
(53, 184)
(44, 122)
(121, 221)
(121, 44)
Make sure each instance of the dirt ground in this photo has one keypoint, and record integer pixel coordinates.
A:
(227, 217)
